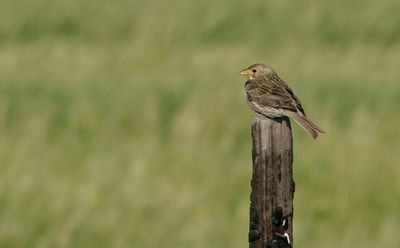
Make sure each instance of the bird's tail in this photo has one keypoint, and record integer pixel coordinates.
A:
(306, 124)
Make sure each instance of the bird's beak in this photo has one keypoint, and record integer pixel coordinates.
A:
(245, 72)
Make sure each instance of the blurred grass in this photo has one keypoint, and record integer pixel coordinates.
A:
(123, 124)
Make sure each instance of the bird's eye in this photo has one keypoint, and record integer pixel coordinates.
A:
(254, 70)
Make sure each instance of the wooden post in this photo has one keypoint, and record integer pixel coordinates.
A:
(271, 208)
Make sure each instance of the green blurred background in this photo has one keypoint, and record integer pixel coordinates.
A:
(124, 124)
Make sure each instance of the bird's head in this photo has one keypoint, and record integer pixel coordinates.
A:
(256, 71)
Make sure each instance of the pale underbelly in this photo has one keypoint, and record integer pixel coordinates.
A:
(267, 111)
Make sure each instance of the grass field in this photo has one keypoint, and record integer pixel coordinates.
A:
(123, 124)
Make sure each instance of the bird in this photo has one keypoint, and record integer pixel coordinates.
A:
(269, 96)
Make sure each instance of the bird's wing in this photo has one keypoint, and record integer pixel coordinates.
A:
(272, 91)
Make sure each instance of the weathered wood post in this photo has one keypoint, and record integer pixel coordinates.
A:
(271, 208)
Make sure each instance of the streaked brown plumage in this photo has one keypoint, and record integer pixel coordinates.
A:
(268, 95)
